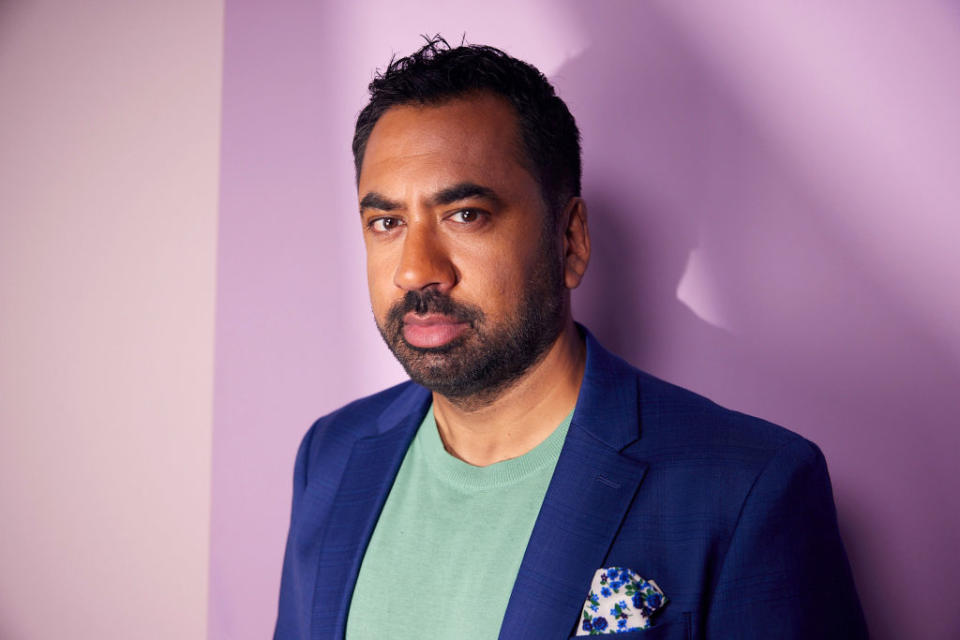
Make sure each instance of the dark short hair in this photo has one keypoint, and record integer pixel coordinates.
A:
(438, 72)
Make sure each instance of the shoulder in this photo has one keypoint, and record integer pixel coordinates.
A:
(360, 416)
(681, 430)
(669, 411)
(680, 434)
(730, 471)
(735, 515)
(332, 436)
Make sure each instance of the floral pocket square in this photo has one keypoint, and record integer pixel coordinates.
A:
(619, 601)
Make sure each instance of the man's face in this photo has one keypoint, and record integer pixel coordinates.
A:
(466, 286)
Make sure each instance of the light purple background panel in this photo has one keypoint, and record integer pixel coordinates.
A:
(283, 246)
(773, 205)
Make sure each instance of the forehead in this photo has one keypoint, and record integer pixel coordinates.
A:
(475, 137)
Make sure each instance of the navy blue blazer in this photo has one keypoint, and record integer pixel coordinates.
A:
(732, 516)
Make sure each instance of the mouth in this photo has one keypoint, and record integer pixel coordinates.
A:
(431, 330)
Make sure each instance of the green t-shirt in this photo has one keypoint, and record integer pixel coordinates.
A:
(447, 547)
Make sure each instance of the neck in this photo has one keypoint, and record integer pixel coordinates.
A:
(521, 416)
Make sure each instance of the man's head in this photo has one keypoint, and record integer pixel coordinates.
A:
(549, 137)
(468, 264)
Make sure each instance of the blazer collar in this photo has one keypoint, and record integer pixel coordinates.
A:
(592, 488)
(607, 406)
(413, 402)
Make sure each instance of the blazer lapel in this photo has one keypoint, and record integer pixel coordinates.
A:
(364, 486)
(591, 489)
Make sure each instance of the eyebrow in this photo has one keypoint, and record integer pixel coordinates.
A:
(374, 200)
(449, 195)
(463, 191)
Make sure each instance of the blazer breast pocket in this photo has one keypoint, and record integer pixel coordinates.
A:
(672, 630)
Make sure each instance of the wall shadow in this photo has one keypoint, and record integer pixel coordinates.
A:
(809, 338)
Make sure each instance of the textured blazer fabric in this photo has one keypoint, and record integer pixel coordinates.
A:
(732, 516)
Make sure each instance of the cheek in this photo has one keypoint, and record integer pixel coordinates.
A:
(496, 278)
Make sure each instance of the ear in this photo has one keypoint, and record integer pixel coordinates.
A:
(576, 242)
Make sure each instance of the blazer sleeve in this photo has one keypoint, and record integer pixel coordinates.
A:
(293, 614)
(785, 573)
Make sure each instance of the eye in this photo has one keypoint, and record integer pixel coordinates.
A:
(466, 216)
(384, 224)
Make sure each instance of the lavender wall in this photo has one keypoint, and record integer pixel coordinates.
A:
(773, 202)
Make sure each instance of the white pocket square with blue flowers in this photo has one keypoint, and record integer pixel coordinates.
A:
(619, 601)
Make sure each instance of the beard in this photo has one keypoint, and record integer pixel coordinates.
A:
(486, 359)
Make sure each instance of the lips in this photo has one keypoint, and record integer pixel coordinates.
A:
(431, 330)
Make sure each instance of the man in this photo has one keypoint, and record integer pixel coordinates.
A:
(527, 483)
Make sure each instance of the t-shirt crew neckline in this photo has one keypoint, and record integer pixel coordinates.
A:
(468, 477)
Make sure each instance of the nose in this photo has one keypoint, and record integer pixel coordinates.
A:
(424, 262)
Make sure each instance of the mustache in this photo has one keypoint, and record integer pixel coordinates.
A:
(432, 301)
